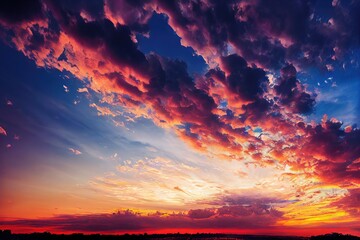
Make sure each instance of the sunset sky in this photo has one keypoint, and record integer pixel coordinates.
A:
(180, 116)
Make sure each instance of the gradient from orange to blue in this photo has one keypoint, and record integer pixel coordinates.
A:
(180, 116)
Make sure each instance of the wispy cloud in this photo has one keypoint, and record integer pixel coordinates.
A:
(75, 151)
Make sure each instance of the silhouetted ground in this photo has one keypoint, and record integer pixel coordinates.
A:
(7, 235)
(333, 236)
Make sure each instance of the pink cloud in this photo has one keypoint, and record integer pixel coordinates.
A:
(2, 131)
(83, 90)
(75, 151)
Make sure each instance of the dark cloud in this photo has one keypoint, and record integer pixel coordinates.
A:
(267, 34)
(270, 29)
(247, 82)
(207, 30)
(134, 14)
(173, 94)
(270, 35)
(254, 209)
(168, 75)
(291, 92)
(201, 213)
(37, 39)
(92, 8)
(338, 151)
(114, 41)
(245, 87)
(18, 11)
(123, 84)
(130, 221)
(257, 110)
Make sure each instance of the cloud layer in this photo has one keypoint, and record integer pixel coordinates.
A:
(250, 105)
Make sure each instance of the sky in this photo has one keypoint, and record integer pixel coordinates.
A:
(121, 116)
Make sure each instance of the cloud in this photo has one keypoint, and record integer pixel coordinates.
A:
(161, 89)
(332, 151)
(201, 213)
(75, 151)
(66, 89)
(243, 80)
(179, 183)
(292, 94)
(246, 200)
(133, 221)
(179, 189)
(103, 111)
(350, 202)
(19, 11)
(83, 90)
(216, 112)
(2, 131)
(268, 35)
(133, 14)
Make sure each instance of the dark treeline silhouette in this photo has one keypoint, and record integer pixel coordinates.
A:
(7, 235)
(333, 236)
